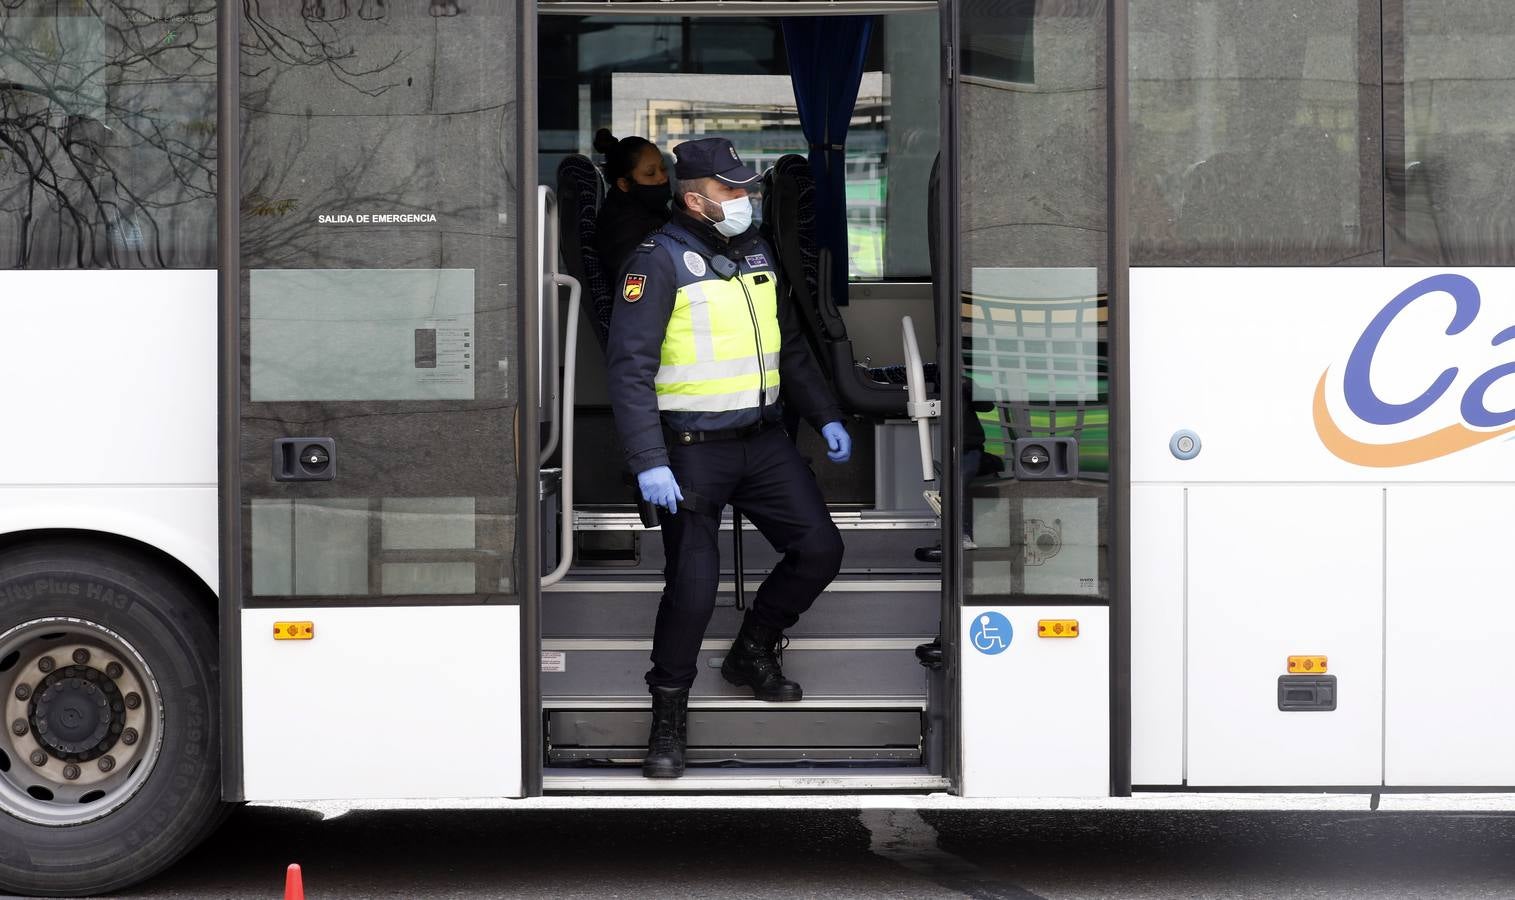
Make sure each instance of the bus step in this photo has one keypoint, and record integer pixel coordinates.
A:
(776, 734)
(616, 542)
(746, 779)
(610, 668)
(851, 607)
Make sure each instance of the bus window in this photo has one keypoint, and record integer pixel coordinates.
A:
(107, 135)
(379, 298)
(1255, 137)
(1448, 137)
(1033, 256)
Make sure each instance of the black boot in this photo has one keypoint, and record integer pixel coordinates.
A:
(753, 661)
(670, 733)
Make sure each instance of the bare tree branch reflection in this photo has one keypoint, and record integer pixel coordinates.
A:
(107, 133)
(107, 119)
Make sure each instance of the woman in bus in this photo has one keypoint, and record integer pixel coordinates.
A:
(638, 199)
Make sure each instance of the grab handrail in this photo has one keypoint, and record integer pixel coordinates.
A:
(570, 357)
(547, 345)
(918, 407)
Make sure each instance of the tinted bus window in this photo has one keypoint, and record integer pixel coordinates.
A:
(1450, 93)
(1255, 133)
(107, 134)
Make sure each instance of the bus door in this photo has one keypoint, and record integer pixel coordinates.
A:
(1029, 593)
(386, 566)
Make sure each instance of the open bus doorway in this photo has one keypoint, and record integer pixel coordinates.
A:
(1018, 230)
(871, 709)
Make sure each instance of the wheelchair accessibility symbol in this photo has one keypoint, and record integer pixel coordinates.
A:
(991, 633)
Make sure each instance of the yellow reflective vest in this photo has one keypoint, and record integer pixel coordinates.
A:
(710, 348)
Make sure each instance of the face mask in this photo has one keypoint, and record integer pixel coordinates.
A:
(652, 197)
(738, 216)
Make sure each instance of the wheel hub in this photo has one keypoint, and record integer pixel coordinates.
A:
(77, 713)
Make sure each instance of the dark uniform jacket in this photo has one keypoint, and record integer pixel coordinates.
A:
(622, 224)
(636, 339)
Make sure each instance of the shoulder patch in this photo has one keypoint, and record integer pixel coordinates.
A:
(695, 263)
(632, 289)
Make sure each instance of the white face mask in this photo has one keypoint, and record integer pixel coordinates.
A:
(738, 216)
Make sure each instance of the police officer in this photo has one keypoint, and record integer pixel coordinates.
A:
(700, 343)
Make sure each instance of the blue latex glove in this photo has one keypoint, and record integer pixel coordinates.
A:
(659, 488)
(839, 442)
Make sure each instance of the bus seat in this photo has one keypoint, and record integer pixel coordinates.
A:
(789, 226)
(580, 191)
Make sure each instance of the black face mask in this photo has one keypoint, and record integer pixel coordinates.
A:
(652, 197)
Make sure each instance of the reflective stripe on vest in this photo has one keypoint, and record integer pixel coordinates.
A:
(711, 351)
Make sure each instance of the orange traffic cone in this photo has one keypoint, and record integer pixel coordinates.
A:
(294, 885)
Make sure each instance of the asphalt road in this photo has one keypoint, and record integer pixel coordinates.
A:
(922, 850)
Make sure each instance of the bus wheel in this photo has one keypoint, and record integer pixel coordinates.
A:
(109, 746)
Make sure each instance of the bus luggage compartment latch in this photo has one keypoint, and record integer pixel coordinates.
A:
(1306, 693)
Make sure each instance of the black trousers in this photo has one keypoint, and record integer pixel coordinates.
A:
(766, 478)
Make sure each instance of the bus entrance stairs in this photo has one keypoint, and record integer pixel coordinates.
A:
(866, 695)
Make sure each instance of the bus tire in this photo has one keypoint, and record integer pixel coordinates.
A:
(111, 763)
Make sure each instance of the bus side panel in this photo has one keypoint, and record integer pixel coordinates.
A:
(1276, 571)
(179, 520)
(110, 377)
(382, 703)
(1450, 617)
(1157, 634)
(110, 402)
(1343, 416)
(1036, 714)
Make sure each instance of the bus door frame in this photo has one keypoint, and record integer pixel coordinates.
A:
(950, 355)
(229, 376)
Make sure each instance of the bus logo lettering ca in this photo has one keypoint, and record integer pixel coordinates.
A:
(991, 633)
(1479, 423)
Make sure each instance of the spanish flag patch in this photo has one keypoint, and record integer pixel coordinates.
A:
(632, 289)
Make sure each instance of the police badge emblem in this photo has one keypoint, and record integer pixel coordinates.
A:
(632, 289)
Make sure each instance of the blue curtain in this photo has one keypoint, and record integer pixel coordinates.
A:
(826, 56)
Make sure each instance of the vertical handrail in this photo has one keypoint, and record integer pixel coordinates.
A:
(570, 358)
(547, 345)
(918, 406)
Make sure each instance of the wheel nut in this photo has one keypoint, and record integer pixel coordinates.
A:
(129, 736)
(107, 763)
(133, 701)
(81, 656)
(39, 758)
(71, 772)
(46, 664)
(113, 670)
(23, 691)
(18, 727)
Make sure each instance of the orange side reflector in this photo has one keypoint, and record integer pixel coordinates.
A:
(294, 631)
(1057, 628)
(1307, 665)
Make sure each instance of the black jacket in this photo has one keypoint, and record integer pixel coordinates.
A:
(636, 340)
(622, 224)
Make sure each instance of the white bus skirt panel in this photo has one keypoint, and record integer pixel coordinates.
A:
(382, 703)
(1035, 710)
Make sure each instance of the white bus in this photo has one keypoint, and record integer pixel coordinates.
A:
(311, 488)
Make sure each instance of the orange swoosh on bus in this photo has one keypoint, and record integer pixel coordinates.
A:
(1403, 453)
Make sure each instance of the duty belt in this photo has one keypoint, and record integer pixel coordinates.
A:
(686, 438)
